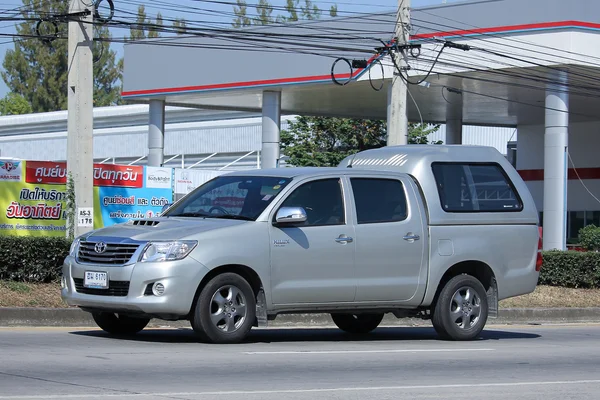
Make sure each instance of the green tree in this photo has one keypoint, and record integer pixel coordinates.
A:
(14, 104)
(180, 26)
(326, 141)
(144, 27)
(37, 70)
(419, 133)
(264, 13)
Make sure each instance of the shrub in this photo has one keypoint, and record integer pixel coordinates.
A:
(589, 237)
(32, 259)
(572, 269)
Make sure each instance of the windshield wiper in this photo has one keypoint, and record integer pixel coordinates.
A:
(192, 214)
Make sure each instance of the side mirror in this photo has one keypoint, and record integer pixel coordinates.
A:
(165, 207)
(290, 215)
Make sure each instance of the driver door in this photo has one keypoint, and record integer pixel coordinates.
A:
(313, 261)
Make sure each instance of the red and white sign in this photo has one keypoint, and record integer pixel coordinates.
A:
(119, 175)
(53, 173)
(46, 172)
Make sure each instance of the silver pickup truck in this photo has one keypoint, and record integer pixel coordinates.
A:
(436, 232)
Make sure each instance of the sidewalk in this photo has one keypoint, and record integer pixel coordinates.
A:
(73, 317)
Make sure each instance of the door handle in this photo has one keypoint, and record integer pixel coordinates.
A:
(411, 237)
(344, 239)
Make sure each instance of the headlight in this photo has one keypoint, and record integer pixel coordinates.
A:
(74, 247)
(167, 251)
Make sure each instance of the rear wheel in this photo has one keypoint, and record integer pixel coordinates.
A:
(225, 310)
(461, 309)
(357, 323)
(118, 324)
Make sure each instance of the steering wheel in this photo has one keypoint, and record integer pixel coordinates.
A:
(220, 209)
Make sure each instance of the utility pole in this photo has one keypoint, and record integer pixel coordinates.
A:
(80, 158)
(397, 126)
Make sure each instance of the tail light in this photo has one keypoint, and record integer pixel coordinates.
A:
(539, 260)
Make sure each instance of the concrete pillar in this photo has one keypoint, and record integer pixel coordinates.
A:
(271, 123)
(156, 133)
(397, 121)
(454, 117)
(555, 163)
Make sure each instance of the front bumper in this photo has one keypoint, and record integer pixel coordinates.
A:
(130, 287)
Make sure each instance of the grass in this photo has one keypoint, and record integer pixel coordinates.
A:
(19, 294)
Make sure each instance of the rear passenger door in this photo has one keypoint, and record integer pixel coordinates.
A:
(390, 239)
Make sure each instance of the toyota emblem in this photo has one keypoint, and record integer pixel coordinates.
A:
(100, 247)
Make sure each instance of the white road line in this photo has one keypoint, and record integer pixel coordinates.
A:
(364, 351)
(300, 391)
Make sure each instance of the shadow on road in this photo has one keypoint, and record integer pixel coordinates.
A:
(278, 335)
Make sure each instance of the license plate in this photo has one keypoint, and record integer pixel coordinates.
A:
(95, 280)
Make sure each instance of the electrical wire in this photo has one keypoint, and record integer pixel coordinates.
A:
(579, 177)
(502, 37)
(416, 105)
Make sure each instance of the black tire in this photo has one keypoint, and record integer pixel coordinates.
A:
(357, 323)
(117, 324)
(220, 321)
(454, 321)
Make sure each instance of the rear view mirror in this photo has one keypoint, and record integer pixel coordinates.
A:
(291, 215)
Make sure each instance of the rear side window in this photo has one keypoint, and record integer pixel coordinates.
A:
(379, 200)
(465, 187)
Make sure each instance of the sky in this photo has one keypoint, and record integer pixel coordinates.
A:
(213, 14)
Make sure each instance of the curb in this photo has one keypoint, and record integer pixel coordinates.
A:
(74, 317)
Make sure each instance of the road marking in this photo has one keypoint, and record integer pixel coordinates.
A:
(299, 391)
(364, 351)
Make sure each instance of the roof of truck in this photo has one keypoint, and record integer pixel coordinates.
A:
(397, 156)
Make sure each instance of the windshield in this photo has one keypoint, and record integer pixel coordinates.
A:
(231, 197)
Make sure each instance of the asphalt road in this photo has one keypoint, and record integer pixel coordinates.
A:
(509, 362)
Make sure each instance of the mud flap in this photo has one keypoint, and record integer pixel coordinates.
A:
(261, 310)
(492, 298)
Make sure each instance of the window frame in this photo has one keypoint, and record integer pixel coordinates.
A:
(510, 183)
(379, 178)
(292, 190)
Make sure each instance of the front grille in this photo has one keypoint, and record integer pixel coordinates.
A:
(115, 288)
(114, 254)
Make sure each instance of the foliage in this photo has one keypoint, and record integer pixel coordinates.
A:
(180, 26)
(572, 269)
(144, 27)
(264, 13)
(419, 133)
(14, 104)
(71, 207)
(589, 237)
(32, 259)
(326, 141)
(38, 70)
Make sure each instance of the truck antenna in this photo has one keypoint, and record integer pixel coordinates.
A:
(351, 161)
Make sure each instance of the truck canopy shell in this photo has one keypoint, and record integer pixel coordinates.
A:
(419, 160)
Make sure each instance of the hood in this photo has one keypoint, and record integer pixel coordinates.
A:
(171, 228)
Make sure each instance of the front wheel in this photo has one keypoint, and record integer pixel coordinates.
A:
(357, 323)
(118, 324)
(225, 310)
(461, 309)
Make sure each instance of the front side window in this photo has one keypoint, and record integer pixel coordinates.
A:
(465, 187)
(233, 197)
(322, 201)
(379, 200)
